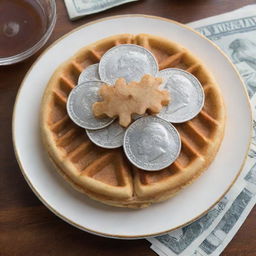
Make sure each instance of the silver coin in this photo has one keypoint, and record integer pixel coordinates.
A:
(137, 116)
(89, 74)
(129, 61)
(151, 143)
(109, 137)
(79, 106)
(187, 95)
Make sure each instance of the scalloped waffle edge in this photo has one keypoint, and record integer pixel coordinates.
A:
(106, 175)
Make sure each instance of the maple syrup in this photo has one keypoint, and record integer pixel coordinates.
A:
(22, 24)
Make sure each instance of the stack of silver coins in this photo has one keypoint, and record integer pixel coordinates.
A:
(151, 142)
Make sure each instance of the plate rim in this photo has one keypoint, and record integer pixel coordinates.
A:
(22, 169)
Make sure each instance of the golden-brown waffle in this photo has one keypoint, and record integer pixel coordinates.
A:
(106, 175)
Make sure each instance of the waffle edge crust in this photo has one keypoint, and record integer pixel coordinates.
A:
(105, 174)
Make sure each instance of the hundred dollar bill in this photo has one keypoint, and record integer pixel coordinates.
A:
(230, 223)
(202, 237)
(80, 8)
(198, 236)
(183, 241)
(218, 239)
(235, 33)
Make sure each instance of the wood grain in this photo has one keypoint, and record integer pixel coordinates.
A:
(29, 228)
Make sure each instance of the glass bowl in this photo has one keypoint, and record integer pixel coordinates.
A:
(35, 17)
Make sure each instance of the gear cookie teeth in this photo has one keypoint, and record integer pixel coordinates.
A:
(125, 99)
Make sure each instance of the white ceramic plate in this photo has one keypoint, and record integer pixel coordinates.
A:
(95, 217)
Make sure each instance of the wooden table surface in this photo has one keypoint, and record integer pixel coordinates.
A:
(27, 227)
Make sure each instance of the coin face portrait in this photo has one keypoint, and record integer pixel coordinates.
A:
(153, 142)
(130, 65)
(111, 133)
(89, 74)
(109, 137)
(79, 106)
(180, 88)
(186, 92)
(128, 61)
(87, 102)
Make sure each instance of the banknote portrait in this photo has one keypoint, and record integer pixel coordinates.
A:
(243, 54)
(178, 240)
